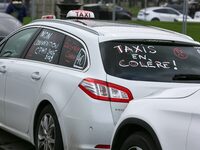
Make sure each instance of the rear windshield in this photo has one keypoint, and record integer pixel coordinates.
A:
(163, 62)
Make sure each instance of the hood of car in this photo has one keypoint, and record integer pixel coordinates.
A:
(175, 93)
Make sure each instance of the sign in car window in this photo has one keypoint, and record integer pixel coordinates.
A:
(46, 47)
(73, 54)
(144, 56)
(150, 61)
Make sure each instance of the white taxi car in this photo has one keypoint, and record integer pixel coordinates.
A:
(164, 121)
(65, 83)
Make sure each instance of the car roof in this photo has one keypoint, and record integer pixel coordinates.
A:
(115, 31)
(159, 7)
(4, 15)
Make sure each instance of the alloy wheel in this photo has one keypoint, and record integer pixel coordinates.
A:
(46, 133)
(135, 148)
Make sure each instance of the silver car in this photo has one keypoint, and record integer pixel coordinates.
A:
(8, 24)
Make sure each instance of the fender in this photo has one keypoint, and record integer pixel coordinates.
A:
(130, 125)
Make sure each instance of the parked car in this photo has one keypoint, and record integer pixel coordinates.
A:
(8, 24)
(168, 120)
(160, 14)
(3, 5)
(105, 11)
(197, 15)
(65, 83)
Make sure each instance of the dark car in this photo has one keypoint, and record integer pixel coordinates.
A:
(104, 11)
(8, 24)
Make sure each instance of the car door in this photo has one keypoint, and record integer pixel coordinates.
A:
(11, 49)
(193, 131)
(173, 15)
(162, 14)
(25, 77)
(2, 86)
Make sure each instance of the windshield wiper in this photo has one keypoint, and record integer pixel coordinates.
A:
(186, 77)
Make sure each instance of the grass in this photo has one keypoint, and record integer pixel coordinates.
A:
(193, 29)
(27, 20)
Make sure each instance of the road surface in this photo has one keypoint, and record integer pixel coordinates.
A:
(11, 142)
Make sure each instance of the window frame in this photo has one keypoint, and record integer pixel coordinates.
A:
(65, 33)
(173, 12)
(34, 39)
(160, 11)
(85, 48)
(4, 41)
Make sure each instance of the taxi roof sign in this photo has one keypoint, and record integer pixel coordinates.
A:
(80, 14)
(48, 17)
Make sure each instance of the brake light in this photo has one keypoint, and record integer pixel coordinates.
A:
(105, 91)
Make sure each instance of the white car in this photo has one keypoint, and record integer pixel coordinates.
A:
(164, 121)
(197, 15)
(65, 83)
(160, 14)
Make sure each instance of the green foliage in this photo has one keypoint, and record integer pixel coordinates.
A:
(193, 29)
(27, 20)
(134, 10)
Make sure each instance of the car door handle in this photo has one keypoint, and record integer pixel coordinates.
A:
(35, 76)
(3, 69)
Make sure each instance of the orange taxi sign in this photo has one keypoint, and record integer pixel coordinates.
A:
(80, 14)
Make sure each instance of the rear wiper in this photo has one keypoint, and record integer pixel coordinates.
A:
(186, 77)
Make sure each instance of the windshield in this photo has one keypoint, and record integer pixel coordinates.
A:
(163, 62)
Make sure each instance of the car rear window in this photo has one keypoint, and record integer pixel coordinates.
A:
(163, 62)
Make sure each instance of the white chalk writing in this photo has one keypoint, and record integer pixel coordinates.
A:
(46, 43)
(48, 53)
(135, 49)
(140, 56)
(46, 35)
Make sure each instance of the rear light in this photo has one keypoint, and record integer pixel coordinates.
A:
(105, 91)
(103, 146)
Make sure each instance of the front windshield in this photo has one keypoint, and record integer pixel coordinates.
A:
(149, 61)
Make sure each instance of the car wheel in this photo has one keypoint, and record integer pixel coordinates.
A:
(138, 141)
(155, 19)
(48, 134)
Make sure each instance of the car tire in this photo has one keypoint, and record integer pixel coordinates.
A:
(139, 141)
(155, 19)
(47, 132)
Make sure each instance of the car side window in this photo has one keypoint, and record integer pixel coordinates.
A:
(74, 54)
(172, 12)
(46, 47)
(15, 45)
(164, 11)
(1, 46)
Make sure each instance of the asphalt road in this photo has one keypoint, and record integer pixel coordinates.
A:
(11, 142)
